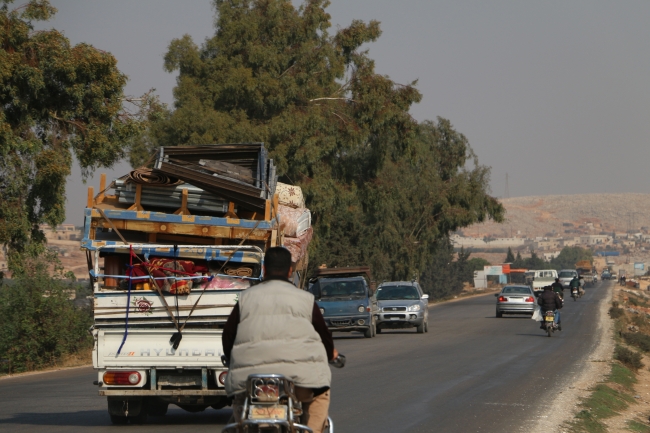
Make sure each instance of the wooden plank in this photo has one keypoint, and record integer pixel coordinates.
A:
(183, 210)
(91, 197)
(102, 188)
(205, 231)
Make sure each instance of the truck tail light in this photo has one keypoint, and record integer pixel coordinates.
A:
(222, 377)
(122, 378)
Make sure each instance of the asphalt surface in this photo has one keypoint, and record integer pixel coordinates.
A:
(471, 372)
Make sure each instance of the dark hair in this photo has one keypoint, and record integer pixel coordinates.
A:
(277, 262)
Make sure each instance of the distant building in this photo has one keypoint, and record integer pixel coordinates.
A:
(63, 232)
(469, 242)
(549, 256)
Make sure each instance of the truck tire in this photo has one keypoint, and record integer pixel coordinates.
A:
(368, 332)
(118, 420)
(157, 408)
(140, 418)
(420, 328)
(426, 326)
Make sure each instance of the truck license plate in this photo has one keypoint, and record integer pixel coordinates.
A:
(267, 412)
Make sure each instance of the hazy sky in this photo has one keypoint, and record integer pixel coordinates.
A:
(554, 93)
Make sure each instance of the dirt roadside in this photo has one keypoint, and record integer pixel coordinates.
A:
(565, 404)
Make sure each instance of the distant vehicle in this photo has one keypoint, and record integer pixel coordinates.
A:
(515, 300)
(614, 277)
(402, 304)
(566, 275)
(345, 298)
(542, 278)
(606, 275)
(585, 271)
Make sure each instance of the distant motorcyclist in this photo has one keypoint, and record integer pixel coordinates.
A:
(550, 301)
(575, 284)
(558, 288)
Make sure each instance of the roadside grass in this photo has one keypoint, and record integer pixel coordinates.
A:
(605, 401)
(637, 426)
(616, 393)
(623, 376)
(79, 359)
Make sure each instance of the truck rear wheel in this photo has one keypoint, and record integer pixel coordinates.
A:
(118, 420)
(157, 407)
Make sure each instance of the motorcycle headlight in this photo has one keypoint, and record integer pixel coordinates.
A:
(415, 307)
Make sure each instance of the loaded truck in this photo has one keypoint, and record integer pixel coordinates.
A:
(169, 250)
(585, 271)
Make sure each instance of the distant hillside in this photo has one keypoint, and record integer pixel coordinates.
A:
(539, 215)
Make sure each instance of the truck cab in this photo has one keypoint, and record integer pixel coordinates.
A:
(542, 278)
(346, 299)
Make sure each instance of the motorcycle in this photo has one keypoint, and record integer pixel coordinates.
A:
(575, 293)
(271, 405)
(549, 322)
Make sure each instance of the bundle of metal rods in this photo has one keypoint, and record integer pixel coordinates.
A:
(241, 173)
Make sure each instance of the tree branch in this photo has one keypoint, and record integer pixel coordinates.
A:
(332, 99)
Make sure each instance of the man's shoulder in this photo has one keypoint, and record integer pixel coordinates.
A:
(280, 286)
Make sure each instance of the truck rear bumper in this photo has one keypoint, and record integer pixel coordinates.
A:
(161, 393)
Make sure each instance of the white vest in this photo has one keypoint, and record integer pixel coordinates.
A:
(276, 336)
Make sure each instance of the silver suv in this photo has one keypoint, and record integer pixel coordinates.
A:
(402, 304)
(566, 275)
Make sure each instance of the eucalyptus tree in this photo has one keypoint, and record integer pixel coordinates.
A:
(381, 187)
(56, 101)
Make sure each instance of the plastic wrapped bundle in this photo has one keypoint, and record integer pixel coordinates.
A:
(226, 283)
(298, 246)
(294, 222)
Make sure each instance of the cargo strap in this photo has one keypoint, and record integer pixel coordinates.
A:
(128, 302)
(177, 336)
(153, 281)
(221, 269)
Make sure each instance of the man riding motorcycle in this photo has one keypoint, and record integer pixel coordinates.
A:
(575, 283)
(558, 288)
(550, 301)
(277, 328)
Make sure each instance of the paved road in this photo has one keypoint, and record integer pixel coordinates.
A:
(470, 373)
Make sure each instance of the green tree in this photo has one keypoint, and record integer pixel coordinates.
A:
(441, 278)
(569, 256)
(477, 264)
(383, 189)
(519, 262)
(57, 101)
(510, 257)
(535, 262)
(40, 323)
